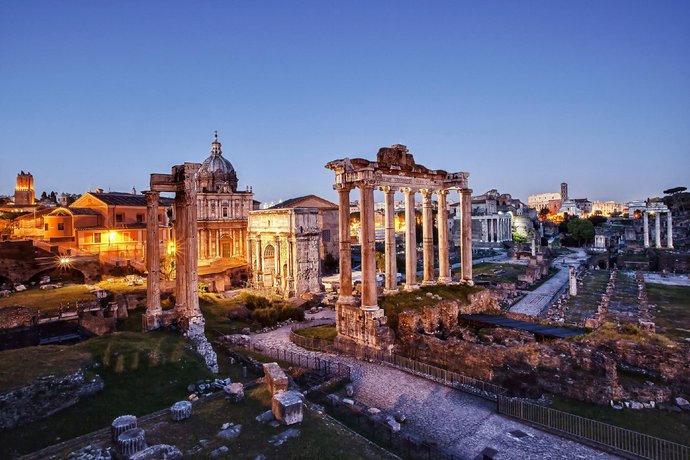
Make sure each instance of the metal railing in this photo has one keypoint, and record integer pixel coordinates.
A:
(294, 358)
(610, 436)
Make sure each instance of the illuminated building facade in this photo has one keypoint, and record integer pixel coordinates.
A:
(223, 212)
(24, 190)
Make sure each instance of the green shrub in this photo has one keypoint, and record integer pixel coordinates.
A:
(253, 301)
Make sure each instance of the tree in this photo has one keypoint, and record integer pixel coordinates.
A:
(519, 238)
(582, 230)
(675, 190)
(543, 213)
(167, 267)
(380, 261)
(597, 220)
(44, 196)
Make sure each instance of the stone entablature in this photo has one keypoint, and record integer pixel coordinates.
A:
(491, 229)
(394, 170)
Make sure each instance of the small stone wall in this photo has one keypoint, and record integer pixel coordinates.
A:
(44, 397)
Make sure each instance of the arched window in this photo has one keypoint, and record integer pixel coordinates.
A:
(269, 251)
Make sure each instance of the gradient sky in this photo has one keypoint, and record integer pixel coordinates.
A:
(522, 94)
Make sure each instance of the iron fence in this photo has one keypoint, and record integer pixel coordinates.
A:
(611, 436)
(327, 366)
(375, 428)
(312, 343)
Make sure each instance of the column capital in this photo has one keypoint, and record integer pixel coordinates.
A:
(465, 191)
(426, 193)
(366, 184)
(343, 187)
(408, 190)
(442, 192)
(387, 189)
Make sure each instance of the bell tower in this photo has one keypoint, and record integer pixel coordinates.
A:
(24, 190)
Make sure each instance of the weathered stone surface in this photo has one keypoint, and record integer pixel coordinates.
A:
(265, 417)
(235, 391)
(275, 378)
(158, 452)
(131, 442)
(181, 410)
(392, 424)
(287, 407)
(44, 397)
(122, 424)
(230, 432)
(350, 390)
(279, 439)
(220, 451)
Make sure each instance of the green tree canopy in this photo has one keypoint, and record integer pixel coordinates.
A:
(581, 229)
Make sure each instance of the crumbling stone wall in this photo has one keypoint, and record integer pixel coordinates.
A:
(44, 397)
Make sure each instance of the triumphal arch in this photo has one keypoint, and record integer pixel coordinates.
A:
(394, 170)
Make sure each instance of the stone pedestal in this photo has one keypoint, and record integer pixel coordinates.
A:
(573, 281)
(130, 442)
(287, 407)
(275, 378)
(362, 328)
(122, 424)
(181, 410)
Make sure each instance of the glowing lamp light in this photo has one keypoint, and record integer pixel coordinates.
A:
(112, 236)
(64, 260)
(171, 247)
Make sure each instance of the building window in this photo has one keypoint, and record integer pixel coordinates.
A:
(140, 218)
(96, 237)
(119, 218)
(45, 227)
(225, 211)
(61, 226)
(326, 236)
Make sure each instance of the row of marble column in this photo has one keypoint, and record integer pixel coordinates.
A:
(369, 288)
(256, 255)
(657, 230)
(495, 229)
(210, 239)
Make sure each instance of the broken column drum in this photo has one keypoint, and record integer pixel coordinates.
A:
(394, 170)
(122, 424)
(130, 442)
(181, 410)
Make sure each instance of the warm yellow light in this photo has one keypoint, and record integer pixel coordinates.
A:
(112, 236)
(171, 247)
(64, 260)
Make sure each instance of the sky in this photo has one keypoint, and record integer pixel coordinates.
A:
(523, 95)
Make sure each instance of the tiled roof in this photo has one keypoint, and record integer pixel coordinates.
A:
(294, 202)
(127, 199)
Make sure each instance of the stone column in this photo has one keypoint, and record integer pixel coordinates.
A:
(669, 230)
(410, 241)
(391, 280)
(366, 203)
(344, 248)
(645, 226)
(466, 235)
(485, 230)
(291, 272)
(153, 289)
(276, 259)
(181, 231)
(251, 262)
(573, 280)
(657, 225)
(259, 263)
(192, 247)
(428, 237)
(442, 222)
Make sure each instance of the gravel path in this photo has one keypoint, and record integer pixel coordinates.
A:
(458, 422)
(536, 301)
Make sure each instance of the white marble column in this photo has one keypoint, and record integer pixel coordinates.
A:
(645, 226)
(657, 225)
(466, 235)
(259, 263)
(366, 203)
(153, 291)
(485, 230)
(391, 278)
(427, 238)
(442, 222)
(669, 230)
(344, 248)
(250, 262)
(410, 241)
(276, 259)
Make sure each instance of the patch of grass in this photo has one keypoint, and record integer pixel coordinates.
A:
(666, 425)
(394, 304)
(498, 273)
(49, 300)
(673, 309)
(142, 373)
(23, 365)
(217, 311)
(324, 332)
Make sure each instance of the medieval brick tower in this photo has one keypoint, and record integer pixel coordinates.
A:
(564, 192)
(24, 190)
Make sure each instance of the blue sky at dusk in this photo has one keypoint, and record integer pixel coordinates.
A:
(522, 94)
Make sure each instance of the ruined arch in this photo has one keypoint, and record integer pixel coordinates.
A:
(269, 265)
(226, 246)
(60, 274)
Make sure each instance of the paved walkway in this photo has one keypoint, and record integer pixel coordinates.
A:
(536, 301)
(458, 422)
(670, 280)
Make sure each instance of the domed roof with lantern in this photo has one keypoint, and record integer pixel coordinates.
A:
(216, 173)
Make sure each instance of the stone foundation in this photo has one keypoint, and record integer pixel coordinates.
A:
(361, 327)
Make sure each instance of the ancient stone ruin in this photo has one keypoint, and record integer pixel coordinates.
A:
(186, 314)
(394, 170)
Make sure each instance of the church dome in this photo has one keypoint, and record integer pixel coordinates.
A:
(216, 173)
